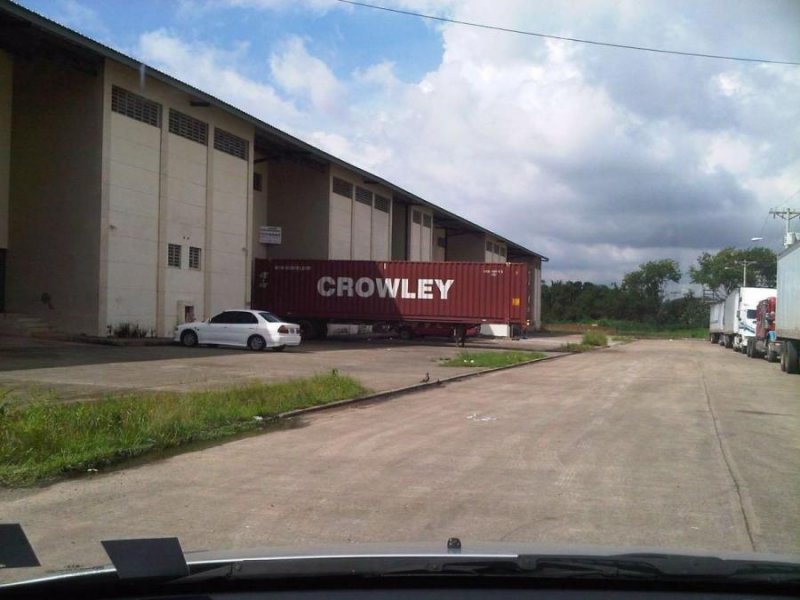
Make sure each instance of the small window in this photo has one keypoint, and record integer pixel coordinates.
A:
(381, 203)
(195, 257)
(342, 187)
(174, 255)
(751, 313)
(416, 217)
(427, 221)
(502, 250)
(258, 183)
(135, 106)
(489, 246)
(363, 196)
(230, 144)
(188, 127)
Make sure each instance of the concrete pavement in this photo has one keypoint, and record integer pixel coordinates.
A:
(675, 445)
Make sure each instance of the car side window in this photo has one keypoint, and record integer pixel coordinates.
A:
(246, 318)
(222, 317)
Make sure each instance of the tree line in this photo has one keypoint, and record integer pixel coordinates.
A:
(640, 296)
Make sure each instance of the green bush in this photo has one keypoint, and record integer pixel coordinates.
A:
(595, 338)
(129, 330)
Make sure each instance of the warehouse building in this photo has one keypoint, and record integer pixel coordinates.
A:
(128, 197)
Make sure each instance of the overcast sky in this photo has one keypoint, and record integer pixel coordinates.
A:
(599, 158)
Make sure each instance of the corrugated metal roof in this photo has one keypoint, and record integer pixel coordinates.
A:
(83, 43)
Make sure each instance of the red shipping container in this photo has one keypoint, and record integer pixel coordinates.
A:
(391, 291)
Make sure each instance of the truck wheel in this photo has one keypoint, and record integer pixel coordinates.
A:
(307, 330)
(405, 333)
(728, 342)
(792, 358)
(783, 357)
(772, 356)
(749, 349)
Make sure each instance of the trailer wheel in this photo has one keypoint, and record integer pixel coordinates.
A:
(772, 356)
(307, 330)
(783, 357)
(728, 341)
(405, 333)
(792, 358)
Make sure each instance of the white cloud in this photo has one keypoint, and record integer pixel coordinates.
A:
(599, 158)
(213, 71)
(82, 18)
(307, 77)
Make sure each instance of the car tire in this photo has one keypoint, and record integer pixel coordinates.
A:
(189, 338)
(256, 343)
(278, 348)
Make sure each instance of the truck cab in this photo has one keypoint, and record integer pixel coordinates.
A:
(764, 343)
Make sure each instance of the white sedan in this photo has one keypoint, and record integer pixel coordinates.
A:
(254, 329)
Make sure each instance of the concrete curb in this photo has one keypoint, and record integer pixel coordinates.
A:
(417, 387)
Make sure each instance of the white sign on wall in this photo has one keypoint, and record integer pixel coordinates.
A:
(269, 234)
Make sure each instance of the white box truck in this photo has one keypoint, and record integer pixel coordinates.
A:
(787, 314)
(739, 316)
(715, 322)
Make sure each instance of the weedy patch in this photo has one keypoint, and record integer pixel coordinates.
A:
(492, 359)
(42, 439)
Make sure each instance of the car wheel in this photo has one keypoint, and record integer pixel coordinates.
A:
(189, 338)
(278, 348)
(256, 343)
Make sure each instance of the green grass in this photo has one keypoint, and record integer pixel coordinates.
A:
(595, 338)
(577, 348)
(491, 359)
(41, 439)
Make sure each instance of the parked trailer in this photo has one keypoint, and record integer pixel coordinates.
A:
(715, 322)
(787, 315)
(765, 343)
(396, 295)
(739, 317)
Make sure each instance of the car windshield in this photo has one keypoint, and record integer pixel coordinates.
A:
(532, 229)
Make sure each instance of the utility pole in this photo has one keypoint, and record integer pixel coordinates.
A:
(744, 275)
(787, 215)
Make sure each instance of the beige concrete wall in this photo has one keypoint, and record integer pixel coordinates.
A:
(298, 202)
(361, 245)
(6, 83)
(161, 188)
(228, 262)
(55, 194)
(358, 230)
(133, 218)
(185, 212)
(420, 234)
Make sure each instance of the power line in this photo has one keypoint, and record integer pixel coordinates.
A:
(564, 38)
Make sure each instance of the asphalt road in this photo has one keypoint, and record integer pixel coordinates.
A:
(677, 445)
